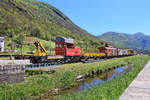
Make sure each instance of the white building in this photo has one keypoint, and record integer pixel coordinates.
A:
(1, 44)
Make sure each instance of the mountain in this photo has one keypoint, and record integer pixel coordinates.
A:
(123, 40)
(38, 19)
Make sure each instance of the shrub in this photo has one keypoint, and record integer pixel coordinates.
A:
(66, 78)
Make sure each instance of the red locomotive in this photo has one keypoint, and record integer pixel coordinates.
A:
(65, 46)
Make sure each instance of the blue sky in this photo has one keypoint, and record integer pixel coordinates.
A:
(100, 16)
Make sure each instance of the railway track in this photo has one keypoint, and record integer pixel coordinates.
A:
(39, 66)
(47, 65)
(57, 64)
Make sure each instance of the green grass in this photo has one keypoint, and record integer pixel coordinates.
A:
(84, 68)
(36, 85)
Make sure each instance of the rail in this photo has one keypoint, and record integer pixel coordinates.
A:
(43, 65)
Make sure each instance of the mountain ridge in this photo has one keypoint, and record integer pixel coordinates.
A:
(138, 40)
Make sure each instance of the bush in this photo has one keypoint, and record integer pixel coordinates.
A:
(66, 78)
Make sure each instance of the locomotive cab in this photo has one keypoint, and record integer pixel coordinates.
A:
(66, 47)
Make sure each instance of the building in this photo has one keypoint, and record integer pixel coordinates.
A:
(2, 44)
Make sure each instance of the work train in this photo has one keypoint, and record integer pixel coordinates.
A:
(66, 52)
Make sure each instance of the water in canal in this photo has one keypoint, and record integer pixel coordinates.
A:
(106, 77)
(100, 79)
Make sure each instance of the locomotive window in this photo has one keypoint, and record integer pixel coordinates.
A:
(64, 45)
(57, 45)
(60, 45)
(69, 46)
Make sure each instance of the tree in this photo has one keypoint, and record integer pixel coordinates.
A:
(36, 32)
(20, 41)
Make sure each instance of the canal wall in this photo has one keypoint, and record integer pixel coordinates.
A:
(12, 73)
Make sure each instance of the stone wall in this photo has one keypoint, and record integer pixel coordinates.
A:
(12, 73)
